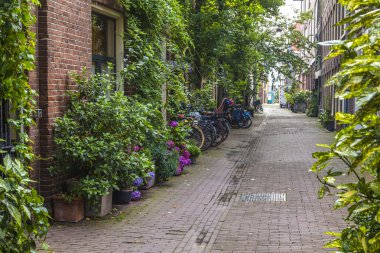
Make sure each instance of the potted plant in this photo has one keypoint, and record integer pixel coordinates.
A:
(123, 195)
(68, 206)
(135, 173)
(149, 181)
(69, 210)
(300, 98)
(98, 195)
(94, 140)
(327, 120)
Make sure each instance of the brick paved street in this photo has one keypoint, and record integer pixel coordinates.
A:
(209, 210)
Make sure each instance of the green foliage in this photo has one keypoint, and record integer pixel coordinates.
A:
(23, 219)
(301, 96)
(325, 117)
(91, 188)
(166, 162)
(357, 145)
(238, 43)
(194, 150)
(178, 134)
(202, 99)
(298, 96)
(156, 28)
(139, 163)
(313, 106)
(17, 50)
(305, 16)
(289, 98)
(96, 137)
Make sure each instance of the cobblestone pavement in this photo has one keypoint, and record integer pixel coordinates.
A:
(211, 209)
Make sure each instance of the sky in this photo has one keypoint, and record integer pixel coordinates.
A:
(289, 7)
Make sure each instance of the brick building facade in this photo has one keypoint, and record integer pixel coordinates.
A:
(325, 14)
(65, 44)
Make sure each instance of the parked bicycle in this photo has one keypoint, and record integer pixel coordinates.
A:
(239, 118)
(236, 115)
(195, 134)
(258, 107)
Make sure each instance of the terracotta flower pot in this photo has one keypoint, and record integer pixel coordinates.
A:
(68, 211)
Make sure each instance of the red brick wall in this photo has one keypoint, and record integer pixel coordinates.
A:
(33, 130)
(64, 46)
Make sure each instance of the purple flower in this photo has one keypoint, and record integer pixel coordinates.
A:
(179, 170)
(170, 144)
(173, 124)
(151, 174)
(183, 146)
(186, 154)
(136, 195)
(182, 160)
(136, 148)
(177, 149)
(138, 181)
(188, 161)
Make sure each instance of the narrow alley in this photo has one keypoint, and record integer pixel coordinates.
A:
(251, 194)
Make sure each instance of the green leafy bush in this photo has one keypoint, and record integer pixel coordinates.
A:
(152, 26)
(325, 117)
(23, 219)
(96, 137)
(313, 105)
(194, 150)
(166, 161)
(357, 146)
(202, 99)
(301, 96)
(289, 98)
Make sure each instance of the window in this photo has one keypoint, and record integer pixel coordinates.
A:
(103, 42)
(6, 135)
(107, 42)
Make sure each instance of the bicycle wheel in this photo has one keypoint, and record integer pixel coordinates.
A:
(247, 123)
(208, 136)
(226, 127)
(197, 135)
(220, 133)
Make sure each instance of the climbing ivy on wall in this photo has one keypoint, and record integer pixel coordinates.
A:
(23, 218)
(17, 48)
(156, 42)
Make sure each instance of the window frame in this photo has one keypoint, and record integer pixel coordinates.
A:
(101, 59)
(118, 63)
